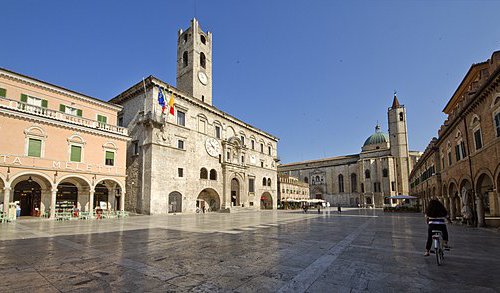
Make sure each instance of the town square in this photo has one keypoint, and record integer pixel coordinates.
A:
(249, 146)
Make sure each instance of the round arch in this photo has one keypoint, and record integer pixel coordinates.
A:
(111, 191)
(266, 201)
(42, 179)
(484, 189)
(111, 180)
(481, 172)
(74, 178)
(208, 200)
(175, 202)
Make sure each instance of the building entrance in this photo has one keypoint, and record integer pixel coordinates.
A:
(101, 196)
(28, 194)
(235, 192)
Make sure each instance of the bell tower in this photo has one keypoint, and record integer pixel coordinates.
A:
(398, 138)
(194, 62)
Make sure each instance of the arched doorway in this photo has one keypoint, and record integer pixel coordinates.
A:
(484, 190)
(67, 196)
(266, 201)
(28, 194)
(208, 200)
(175, 202)
(101, 196)
(235, 192)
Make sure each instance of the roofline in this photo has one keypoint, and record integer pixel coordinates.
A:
(107, 104)
(150, 80)
(321, 160)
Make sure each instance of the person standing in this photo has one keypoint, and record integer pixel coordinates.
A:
(339, 209)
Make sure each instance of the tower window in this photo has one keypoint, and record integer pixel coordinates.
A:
(367, 173)
(203, 60)
(202, 98)
(185, 38)
(185, 59)
(385, 172)
(203, 39)
(401, 116)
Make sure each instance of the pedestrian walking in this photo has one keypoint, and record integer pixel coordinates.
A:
(339, 209)
(319, 207)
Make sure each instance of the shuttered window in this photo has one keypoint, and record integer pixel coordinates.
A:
(497, 123)
(34, 101)
(76, 153)
(70, 110)
(102, 119)
(3, 92)
(110, 158)
(34, 147)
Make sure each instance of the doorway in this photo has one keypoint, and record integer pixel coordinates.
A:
(28, 193)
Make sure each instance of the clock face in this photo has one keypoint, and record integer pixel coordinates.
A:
(212, 146)
(202, 77)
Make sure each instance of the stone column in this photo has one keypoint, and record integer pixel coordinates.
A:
(91, 202)
(493, 203)
(480, 210)
(6, 199)
(122, 200)
(53, 203)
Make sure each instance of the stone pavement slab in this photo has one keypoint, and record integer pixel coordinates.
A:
(269, 251)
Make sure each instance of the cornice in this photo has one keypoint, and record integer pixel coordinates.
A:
(56, 89)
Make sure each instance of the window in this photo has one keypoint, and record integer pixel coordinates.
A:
(75, 153)
(264, 181)
(185, 38)
(135, 147)
(376, 186)
(253, 144)
(269, 150)
(110, 158)
(203, 60)
(385, 172)
(449, 158)
(181, 118)
(393, 186)
(243, 159)
(242, 140)
(102, 119)
(251, 184)
(306, 180)
(341, 183)
(268, 181)
(185, 56)
(478, 139)
(203, 39)
(462, 147)
(70, 110)
(497, 123)
(203, 173)
(228, 155)
(261, 164)
(213, 174)
(34, 147)
(367, 173)
(33, 100)
(261, 148)
(362, 187)
(217, 131)
(120, 121)
(3, 93)
(180, 172)
(180, 144)
(457, 152)
(401, 116)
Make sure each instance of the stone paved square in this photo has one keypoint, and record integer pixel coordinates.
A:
(269, 251)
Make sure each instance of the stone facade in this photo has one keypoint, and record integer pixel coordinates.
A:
(467, 151)
(366, 179)
(64, 148)
(292, 188)
(199, 158)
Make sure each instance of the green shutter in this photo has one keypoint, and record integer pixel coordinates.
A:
(24, 98)
(102, 118)
(34, 147)
(79, 112)
(110, 155)
(45, 103)
(76, 153)
(3, 92)
(62, 108)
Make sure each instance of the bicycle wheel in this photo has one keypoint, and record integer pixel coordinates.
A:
(439, 256)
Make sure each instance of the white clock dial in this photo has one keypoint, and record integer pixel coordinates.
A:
(212, 146)
(202, 77)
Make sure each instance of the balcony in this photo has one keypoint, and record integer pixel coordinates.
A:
(60, 116)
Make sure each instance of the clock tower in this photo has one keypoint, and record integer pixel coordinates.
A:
(194, 62)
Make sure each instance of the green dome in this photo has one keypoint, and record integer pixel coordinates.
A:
(377, 137)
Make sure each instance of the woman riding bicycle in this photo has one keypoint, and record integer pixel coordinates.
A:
(436, 215)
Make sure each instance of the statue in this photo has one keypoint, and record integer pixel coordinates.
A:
(466, 210)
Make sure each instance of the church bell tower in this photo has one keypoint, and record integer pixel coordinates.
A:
(398, 138)
(194, 62)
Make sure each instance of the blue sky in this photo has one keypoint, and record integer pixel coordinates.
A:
(317, 74)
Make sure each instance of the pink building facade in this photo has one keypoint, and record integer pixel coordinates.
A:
(59, 149)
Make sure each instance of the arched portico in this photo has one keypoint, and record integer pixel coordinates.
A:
(486, 199)
(266, 201)
(208, 200)
(73, 190)
(175, 202)
(235, 192)
(108, 193)
(32, 191)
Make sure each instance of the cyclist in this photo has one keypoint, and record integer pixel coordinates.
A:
(436, 215)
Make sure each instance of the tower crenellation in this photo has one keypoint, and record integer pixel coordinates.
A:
(194, 62)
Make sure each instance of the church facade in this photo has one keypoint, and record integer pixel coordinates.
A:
(193, 157)
(366, 179)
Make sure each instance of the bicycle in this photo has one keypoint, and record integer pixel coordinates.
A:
(438, 246)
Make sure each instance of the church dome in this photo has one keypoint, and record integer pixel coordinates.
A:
(377, 137)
